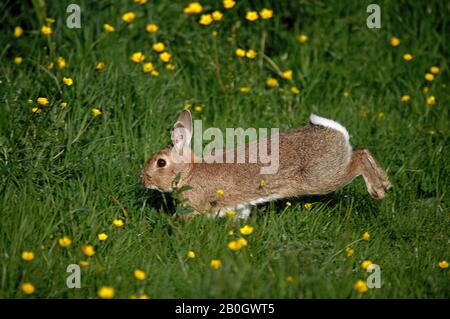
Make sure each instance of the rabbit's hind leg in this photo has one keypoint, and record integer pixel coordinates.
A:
(363, 163)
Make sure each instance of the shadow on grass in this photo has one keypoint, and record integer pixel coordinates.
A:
(155, 199)
(357, 200)
(164, 202)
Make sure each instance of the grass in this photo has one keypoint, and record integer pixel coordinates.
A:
(65, 172)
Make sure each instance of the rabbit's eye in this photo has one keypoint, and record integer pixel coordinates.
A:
(161, 163)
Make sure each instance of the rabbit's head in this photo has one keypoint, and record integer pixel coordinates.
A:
(162, 168)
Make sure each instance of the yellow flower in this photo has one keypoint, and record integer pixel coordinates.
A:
(27, 288)
(435, 70)
(234, 245)
(193, 8)
(42, 101)
(46, 30)
(18, 31)
(349, 251)
(346, 93)
(251, 15)
(49, 20)
(215, 264)
(307, 206)
(88, 250)
(395, 41)
(266, 13)
(262, 182)
(425, 89)
(246, 230)
(360, 286)
(429, 77)
(214, 33)
(217, 15)
(244, 89)
(154, 73)
(240, 52)
(140, 1)
(64, 241)
(407, 57)
(63, 105)
(147, 67)
(366, 264)
(231, 213)
(158, 47)
(366, 236)
(381, 115)
(443, 264)
(206, 19)
(287, 75)
(243, 242)
(67, 81)
(170, 66)
(27, 255)
(84, 263)
(137, 57)
(106, 292)
(100, 66)
(272, 82)
(139, 274)
(295, 90)
(302, 38)
(251, 54)
(220, 192)
(50, 65)
(290, 279)
(118, 223)
(151, 28)
(128, 17)
(198, 108)
(191, 254)
(228, 4)
(61, 63)
(406, 98)
(165, 56)
(36, 110)
(108, 28)
(18, 60)
(96, 112)
(102, 237)
(431, 100)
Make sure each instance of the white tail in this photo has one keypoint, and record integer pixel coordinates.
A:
(317, 120)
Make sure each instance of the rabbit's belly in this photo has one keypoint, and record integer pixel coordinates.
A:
(243, 210)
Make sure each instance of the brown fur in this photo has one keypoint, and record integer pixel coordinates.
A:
(313, 160)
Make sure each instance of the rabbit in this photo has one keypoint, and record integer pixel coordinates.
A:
(314, 159)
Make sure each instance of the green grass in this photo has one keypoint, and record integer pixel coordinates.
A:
(64, 172)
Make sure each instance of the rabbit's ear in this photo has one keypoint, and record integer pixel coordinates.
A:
(182, 131)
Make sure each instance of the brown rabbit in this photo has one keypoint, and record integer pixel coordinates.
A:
(314, 159)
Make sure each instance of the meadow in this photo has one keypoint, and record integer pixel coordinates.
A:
(82, 109)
